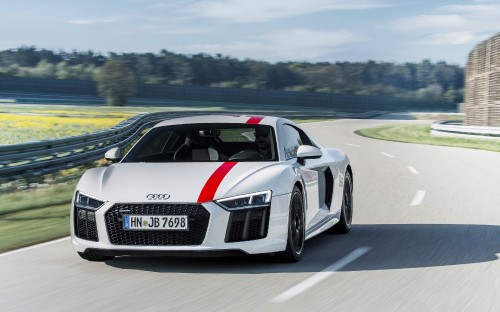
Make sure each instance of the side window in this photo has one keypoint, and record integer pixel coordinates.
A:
(305, 139)
(291, 141)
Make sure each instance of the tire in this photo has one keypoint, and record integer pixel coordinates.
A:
(296, 229)
(91, 256)
(345, 222)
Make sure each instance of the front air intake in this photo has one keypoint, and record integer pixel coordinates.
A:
(198, 218)
(249, 224)
(85, 224)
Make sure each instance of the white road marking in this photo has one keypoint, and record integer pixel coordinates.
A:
(388, 155)
(318, 277)
(33, 247)
(352, 144)
(413, 170)
(418, 199)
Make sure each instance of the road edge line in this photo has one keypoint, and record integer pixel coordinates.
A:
(318, 277)
(12, 252)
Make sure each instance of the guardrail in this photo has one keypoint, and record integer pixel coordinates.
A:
(50, 156)
(454, 128)
(44, 157)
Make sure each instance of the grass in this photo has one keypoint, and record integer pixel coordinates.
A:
(34, 216)
(20, 126)
(34, 199)
(30, 227)
(421, 134)
(304, 120)
(438, 116)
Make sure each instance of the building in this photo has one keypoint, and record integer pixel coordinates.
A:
(482, 84)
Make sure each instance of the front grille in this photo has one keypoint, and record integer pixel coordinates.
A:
(85, 225)
(245, 225)
(198, 224)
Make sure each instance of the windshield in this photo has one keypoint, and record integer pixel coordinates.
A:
(206, 143)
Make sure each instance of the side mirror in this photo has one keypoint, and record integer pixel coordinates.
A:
(114, 155)
(307, 152)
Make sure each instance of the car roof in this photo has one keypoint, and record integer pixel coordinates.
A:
(230, 118)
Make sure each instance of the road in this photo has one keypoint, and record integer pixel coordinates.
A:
(426, 222)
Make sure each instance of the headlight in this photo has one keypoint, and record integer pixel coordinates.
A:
(87, 202)
(254, 200)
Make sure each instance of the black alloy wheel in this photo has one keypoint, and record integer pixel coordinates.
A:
(345, 222)
(296, 229)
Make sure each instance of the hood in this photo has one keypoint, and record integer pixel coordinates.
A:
(183, 182)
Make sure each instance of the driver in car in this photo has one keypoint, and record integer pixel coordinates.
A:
(263, 143)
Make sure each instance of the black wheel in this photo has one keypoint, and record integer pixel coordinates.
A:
(91, 256)
(296, 229)
(345, 222)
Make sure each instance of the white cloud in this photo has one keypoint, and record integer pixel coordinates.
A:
(169, 4)
(296, 44)
(451, 38)
(156, 6)
(93, 21)
(454, 24)
(175, 30)
(176, 25)
(474, 11)
(266, 10)
(432, 22)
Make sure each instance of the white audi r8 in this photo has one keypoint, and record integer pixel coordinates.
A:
(213, 184)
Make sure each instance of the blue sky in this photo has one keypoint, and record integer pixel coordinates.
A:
(270, 30)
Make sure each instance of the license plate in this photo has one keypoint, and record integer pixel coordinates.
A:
(154, 223)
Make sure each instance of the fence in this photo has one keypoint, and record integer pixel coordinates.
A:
(44, 157)
(206, 96)
(456, 129)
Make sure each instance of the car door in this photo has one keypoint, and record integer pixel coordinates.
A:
(309, 173)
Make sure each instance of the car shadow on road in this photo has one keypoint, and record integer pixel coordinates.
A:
(393, 246)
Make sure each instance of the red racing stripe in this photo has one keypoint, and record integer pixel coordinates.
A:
(253, 120)
(212, 184)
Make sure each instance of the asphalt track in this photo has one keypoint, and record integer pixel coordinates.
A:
(425, 238)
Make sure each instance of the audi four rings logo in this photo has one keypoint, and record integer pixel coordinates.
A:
(158, 196)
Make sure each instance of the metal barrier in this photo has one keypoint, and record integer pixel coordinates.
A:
(44, 157)
(454, 128)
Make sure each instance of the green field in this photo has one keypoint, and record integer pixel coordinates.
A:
(34, 216)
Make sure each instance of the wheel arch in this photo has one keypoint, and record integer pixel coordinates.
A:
(299, 185)
(349, 169)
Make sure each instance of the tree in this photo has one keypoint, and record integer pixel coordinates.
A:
(44, 69)
(115, 81)
(454, 96)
